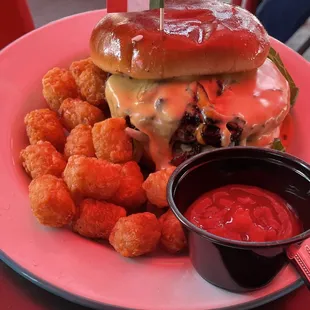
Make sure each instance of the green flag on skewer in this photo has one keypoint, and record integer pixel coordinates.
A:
(157, 4)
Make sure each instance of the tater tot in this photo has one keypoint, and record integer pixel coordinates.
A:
(42, 158)
(58, 84)
(111, 142)
(76, 111)
(43, 125)
(80, 142)
(51, 202)
(155, 187)
(172, 234)
(130, 194)
(136, 234)
(92, 177)
(97, 218)
(90, 80)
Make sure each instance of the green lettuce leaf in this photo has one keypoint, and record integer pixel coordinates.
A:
(276, 59)
(277, 145)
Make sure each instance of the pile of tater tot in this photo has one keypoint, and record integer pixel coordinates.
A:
(84, 173)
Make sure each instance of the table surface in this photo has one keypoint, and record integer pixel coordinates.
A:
(17, 293)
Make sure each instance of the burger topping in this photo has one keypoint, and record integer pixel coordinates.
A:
(154, 108)
(240, 109)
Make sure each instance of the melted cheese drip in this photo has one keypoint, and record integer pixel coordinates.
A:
(154, 108)
(260, 98)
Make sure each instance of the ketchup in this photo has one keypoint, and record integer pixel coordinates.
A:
(244, 213)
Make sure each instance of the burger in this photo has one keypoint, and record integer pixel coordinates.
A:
(204, 81)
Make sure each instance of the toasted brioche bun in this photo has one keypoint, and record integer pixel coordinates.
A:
(200, 38)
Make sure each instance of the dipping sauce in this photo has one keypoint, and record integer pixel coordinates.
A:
(244, 213)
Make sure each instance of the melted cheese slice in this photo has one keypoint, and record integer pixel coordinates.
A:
(260, 98)
(154, 108)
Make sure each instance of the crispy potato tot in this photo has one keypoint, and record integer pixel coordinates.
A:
(90, 80)
(136, 234)
(92, 177)
(155, 187)
(111, 142)
(130, 194)
(76, 111)
(97, 218)
(80, 142)
(42, 158)
(172, 234)
(58, 84)
(43, 125)
(51, 202)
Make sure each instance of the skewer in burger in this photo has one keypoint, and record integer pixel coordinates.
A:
(205, 81)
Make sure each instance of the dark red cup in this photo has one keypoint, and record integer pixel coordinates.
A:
(241, 266)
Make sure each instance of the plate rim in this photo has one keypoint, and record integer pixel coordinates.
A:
(43, 284)
(78, 299)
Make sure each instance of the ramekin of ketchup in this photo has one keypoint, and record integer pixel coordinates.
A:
(245, 213)
(243, 210)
